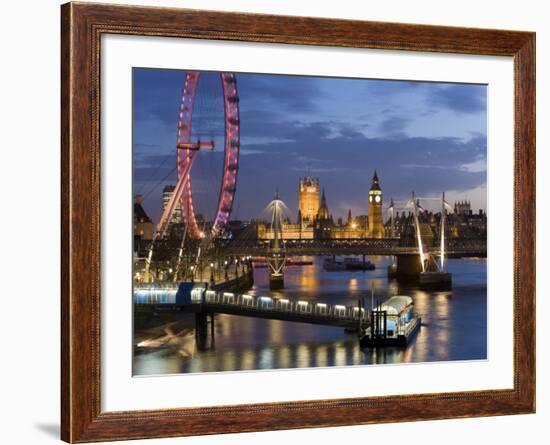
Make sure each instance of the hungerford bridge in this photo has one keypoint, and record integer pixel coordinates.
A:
(365, 246)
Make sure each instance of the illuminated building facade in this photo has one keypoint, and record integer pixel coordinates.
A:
(315, 220)
(308, 200)
(325, 228)
(376, 221)
(290, 231)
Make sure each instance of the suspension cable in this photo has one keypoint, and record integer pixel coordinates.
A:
(160, 182)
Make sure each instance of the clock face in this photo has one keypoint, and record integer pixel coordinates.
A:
(377, 198)
(370, 198)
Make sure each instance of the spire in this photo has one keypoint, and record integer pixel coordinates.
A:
(375, 185)
(323, 199)
(323, 208)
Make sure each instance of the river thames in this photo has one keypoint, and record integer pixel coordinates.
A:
(454, 325)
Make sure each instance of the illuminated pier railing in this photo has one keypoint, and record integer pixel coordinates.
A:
(262, 304)
(199, 299)
(164, 293)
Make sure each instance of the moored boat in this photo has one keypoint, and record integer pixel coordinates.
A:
(353, 263)
(332, 265)
(392, 323)
(349, 263)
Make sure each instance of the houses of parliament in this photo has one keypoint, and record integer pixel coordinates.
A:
(315, 221)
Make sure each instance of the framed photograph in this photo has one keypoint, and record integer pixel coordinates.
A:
(275, 222)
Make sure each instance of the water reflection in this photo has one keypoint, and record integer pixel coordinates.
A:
(453, 326)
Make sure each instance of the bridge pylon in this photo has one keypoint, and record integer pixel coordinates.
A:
(276, 256)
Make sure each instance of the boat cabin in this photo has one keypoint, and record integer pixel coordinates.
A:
(393, 322)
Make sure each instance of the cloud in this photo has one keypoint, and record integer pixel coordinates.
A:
(385, 88)
(460, 98)
(285, 93)
(348, 131)
(154, 96)
(393, 126)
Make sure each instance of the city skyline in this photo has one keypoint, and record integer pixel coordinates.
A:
(427, 137)
(430, 204)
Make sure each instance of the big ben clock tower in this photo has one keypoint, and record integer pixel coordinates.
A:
(376, 222)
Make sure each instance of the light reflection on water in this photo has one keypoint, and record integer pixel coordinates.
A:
(453, 325)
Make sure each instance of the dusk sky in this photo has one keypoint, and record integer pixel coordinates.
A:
(421, 136)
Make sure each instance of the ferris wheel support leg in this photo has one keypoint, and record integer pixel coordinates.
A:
(167, 215)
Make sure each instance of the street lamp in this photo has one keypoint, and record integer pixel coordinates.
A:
(225, 264)
(192, 274)
(212, 272)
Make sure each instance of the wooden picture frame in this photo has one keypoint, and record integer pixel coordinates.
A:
(82, 26)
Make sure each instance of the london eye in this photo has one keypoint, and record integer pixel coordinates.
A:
(188, 147)
(199, 126)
